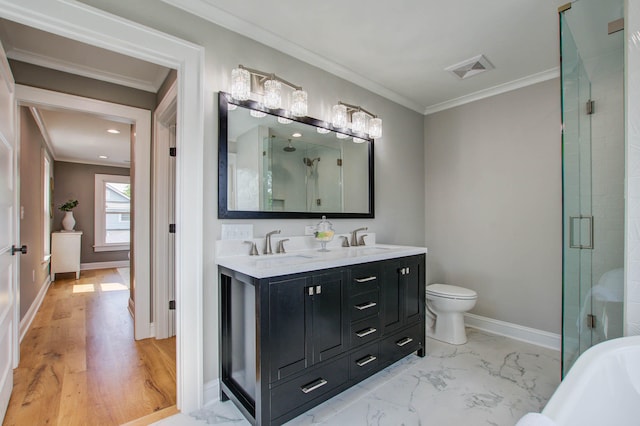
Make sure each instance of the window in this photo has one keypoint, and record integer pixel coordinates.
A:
(112, 212)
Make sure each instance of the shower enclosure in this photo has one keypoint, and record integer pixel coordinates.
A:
(593, 161)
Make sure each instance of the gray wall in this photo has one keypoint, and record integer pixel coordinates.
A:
(46, 78)
(77, 181)
(494, 203)
(398, 154)
(33, 272)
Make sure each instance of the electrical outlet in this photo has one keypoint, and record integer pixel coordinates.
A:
(309, 230)
(237, 232)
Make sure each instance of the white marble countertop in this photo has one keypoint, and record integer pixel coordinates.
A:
(301, 258)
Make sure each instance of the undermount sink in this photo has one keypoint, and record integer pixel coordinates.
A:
(371, 250)
(280, 260)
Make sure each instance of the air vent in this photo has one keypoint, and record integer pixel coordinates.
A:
(470, 67)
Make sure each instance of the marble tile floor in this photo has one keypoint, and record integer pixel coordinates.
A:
(491, 380)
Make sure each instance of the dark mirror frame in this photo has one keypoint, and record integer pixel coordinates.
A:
(224, 99)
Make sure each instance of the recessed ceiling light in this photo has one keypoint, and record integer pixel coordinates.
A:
(113, 131)
(297, 135)
(104, 157)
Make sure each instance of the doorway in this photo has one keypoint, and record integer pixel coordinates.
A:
(83, 23)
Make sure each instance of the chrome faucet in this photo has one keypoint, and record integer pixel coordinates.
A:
(267, 241)
(354, 236)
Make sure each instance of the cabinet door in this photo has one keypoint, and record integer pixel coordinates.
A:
(392, 293)
(414, 293)
(288, 328)
(402, 293)
(328, 316)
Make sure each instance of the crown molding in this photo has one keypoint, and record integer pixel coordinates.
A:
(204, 10)
(496, 90)
(84, 71)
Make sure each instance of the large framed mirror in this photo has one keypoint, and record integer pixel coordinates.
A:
(272, 165)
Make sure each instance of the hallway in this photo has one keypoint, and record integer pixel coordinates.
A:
(80, 364)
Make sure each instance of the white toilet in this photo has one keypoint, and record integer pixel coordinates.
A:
(446, 305)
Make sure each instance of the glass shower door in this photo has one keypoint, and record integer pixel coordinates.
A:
(593, 176)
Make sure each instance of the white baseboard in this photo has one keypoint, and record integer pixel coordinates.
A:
(104, 265)
(211, 392)
(26, 321)
(514, 331)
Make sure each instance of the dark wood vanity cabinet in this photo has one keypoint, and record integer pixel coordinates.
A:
(288, 343)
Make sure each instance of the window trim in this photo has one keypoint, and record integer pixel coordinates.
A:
(100, 214)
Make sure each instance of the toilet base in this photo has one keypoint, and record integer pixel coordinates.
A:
(449, 328)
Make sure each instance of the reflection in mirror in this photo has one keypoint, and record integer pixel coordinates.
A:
(272, 166)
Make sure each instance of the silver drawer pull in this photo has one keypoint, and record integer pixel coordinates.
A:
(404, 341)
(366, 332)
(365, 280)
(313, 385)
(366, 360)
(363, 306)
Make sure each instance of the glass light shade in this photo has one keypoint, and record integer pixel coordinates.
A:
(272, 94)
(358, 140)
(240, 84)
(257, 114)
(322, 130)
(283, 120)
(232, 107)
(341, 136)
(299, 103)
(339, 116)
(359, 122)
(375, 128)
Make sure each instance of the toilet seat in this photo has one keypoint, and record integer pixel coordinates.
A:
(450, 292)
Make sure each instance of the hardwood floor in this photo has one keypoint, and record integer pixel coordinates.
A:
(79, 363)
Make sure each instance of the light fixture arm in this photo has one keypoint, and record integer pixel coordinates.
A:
(267, 76)
(351, 108)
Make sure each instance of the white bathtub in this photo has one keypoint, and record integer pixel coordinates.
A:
(602, 387)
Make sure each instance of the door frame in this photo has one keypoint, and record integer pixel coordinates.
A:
(141, 166)
(162, 265)
(84, 23)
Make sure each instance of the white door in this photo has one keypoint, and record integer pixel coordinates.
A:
(8, 234)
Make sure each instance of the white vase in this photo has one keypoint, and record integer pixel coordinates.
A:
(68, 222)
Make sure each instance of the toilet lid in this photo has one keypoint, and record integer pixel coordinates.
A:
(450, 291)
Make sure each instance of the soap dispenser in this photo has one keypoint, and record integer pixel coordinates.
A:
(324, 233)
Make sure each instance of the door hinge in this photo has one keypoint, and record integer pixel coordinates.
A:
(172, 228)
(172, 304)
(172, 151)
(339, 161)
(590, 107)
(591, 321)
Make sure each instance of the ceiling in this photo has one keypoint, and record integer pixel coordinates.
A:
(72, 135)
(400, 49)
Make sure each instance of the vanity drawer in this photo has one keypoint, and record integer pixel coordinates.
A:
(364, 305)
(401, 344)
(364, 278)
(309, 386)
(364, 361)
(365, 331)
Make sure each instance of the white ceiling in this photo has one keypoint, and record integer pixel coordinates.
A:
(400, 49)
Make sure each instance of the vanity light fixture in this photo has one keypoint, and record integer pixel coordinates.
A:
(257, 114)
(322, 130)
(362, 121)
(358, 140)
(283, 120)
(341, 136)
(245, 80)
